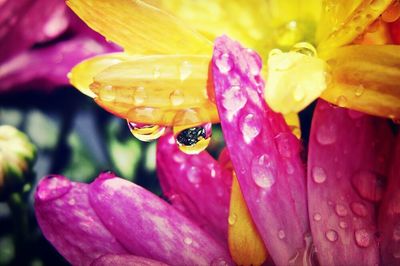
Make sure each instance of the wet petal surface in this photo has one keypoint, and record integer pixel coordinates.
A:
(126, 260)
(149, 227)
(264, 153)
(196, 185)
(347, 166)
(68, 221)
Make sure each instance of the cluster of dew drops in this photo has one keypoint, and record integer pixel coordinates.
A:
(190, 140)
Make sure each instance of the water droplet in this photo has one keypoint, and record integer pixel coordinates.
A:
(262, 173)
(194, 175)
(369, 185)
(359, 209)
(176, 97)
(305, 48)
(224, 63)
(359, 90)
(341, 101)
(146, 132)
(107, 94)
(326, 134)
(232, 219)
(362, 238)
(274, 52)
(188, 241)
(71, 202)
(139, 95)
(281, 234)
(317, 217)
(318, 175)
(299, 93)
(193, 140)
(343, 225)
(233, 101)
(283, 141)
(377, 4)
(219, 262)
(156, 72)
(341, 210)
(331, 235)
(186, 70)
(250, 127)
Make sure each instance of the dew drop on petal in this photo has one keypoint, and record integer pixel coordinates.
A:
(106, 93)
(326, 134)
(359, 90)
(262, 173)
(188, 241)
(317, 217)
(176, 98)
(359, 209)
(343, 224)
(250, 128)
(233, 101)
(146, 132)
(341, 101)
(281, 234)
(156, 72)
(331, 235)
(194, 175)
(283, 143)
(318, 175)
(139, 95)
(362, 238)
(232, 219)
(186, 70)
(341, 210)
(224, 63)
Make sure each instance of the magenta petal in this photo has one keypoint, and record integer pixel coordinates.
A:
(149, 227)
(55, 62)
(346, 169)
(125, 260)
(264, 153)
(196, 185)
(68, 221)
(389, 214)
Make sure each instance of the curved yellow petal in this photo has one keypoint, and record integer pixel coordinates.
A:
(366, 78)
(163, 90)
(81, 76)
(260, 25)
(140, 28)
(342, 21)
(293, 121)
(245, 244)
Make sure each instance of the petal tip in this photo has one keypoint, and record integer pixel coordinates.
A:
(52, 187)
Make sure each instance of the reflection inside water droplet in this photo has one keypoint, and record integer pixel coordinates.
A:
(193, 140)
(146, 132)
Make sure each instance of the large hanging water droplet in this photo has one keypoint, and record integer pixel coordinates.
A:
(331, 235)
(186, 70)
(250, 127)
(305, 48)
(146, 132)
(362, 238)
(224, 63)
(326, 134)
(262, 172)
(369, 185)
(318, 174)
(176, 97)
(193, 140)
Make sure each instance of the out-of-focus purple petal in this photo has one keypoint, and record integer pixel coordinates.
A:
(125, 260)
(347, 165)
(149, 227)
(196, 183)
(389, 214)
(26, 22)
(48, 66)
(68, 221)
(264, 153)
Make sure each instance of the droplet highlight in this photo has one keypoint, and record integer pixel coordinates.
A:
(318, 174)
(262, 173)
(146, 132)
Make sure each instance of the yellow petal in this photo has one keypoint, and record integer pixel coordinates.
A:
(245, 244)
(260, 25)
(139, 27)
(81, 76)
(366, 78)
(163, 90)
(293, 121)
(342, 21)
(293, 81)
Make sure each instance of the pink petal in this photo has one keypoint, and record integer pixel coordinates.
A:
(55, 62)
(195, 184)
(346, 169)
(68, 221)
(125, 260)
(389, 214)
(149, 227)
(264, 153)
